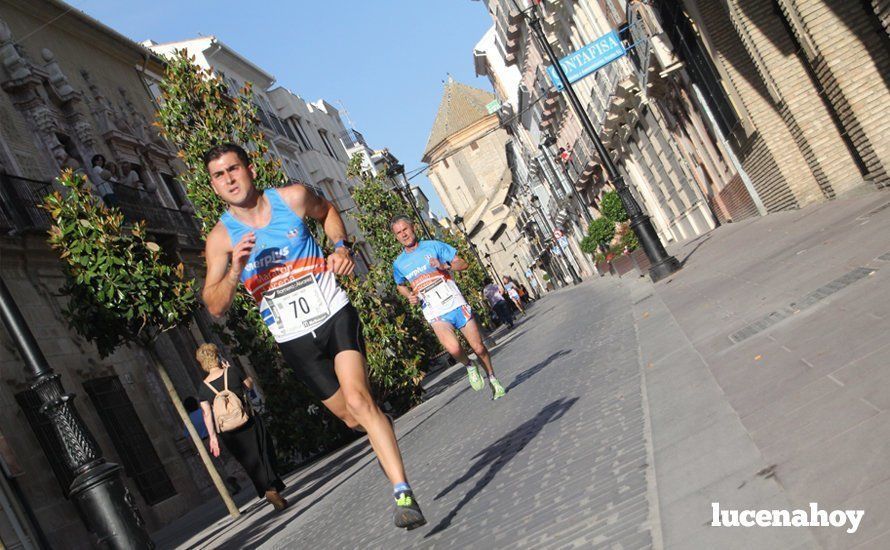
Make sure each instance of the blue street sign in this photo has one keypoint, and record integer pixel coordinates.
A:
(588, 59)
(564, 242)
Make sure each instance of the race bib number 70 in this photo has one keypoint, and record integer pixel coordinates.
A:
(298, 305)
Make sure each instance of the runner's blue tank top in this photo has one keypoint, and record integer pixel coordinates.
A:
(286, 272)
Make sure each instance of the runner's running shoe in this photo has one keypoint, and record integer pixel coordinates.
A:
(476, 381)
(407, 514)
(497, 390)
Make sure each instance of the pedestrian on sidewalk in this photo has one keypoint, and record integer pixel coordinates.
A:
(426, 266)
(493, 294)
(513, 293)
(263, 242)
(224, 398)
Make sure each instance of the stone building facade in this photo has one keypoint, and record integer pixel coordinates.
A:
(624, 107)
(721, 110)
(71, 88)
(468, 160)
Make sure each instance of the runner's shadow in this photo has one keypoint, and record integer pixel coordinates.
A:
(528, 373)
(497, 455)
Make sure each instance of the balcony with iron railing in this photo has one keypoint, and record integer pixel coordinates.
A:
(352, 138)
(137, 204)
(21, 198)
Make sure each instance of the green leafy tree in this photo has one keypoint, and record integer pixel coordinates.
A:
(197, 112)
(121, 288)
(612, 208)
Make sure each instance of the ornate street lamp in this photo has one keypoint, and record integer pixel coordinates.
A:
(459, 222)
(105, 505)
(495, 271)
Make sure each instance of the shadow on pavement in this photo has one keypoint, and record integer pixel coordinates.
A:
(262, 530)
(497, 455)
(700, 242)
(528, 373)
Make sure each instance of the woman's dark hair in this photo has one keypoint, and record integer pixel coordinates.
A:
(219, 150)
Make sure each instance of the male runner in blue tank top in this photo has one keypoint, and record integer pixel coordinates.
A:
(427, 266)
(262, 242)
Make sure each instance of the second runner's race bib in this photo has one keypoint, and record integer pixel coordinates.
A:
(298, 305)
(438, 295)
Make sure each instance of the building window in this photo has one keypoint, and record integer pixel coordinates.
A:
(301, 134)
(175, 189)
(327, 144)
(445, 163)
(131, 441)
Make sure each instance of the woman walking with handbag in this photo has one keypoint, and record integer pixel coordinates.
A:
(228, 418)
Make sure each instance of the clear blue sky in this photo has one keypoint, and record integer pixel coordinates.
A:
(386, 60)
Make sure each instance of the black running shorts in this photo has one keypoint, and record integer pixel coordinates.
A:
(311, 358)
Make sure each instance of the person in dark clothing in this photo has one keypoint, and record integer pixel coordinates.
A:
(498, 304)
(250, 444)
(196, 416)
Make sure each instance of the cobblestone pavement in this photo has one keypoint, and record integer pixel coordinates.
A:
(560, 462)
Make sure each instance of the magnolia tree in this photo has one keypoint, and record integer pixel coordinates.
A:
(120, 287)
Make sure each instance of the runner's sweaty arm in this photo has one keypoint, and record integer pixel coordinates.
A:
(408, 293)
(305, 203)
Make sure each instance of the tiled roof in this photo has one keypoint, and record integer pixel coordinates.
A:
(461, 106)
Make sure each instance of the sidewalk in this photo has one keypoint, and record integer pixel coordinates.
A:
(766, 365)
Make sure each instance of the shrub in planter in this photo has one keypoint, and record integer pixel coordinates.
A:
(600, 230)
(612, 208)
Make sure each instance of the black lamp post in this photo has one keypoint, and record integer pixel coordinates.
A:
(567, 264)
(459, 222)
(396, 172)
(662, 263)
(104, 503)
(495, 271)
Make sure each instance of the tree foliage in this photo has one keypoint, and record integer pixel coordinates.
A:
(600, 230)
(120, 286)
(612, 208)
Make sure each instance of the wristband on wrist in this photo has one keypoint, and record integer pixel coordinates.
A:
(341, 243)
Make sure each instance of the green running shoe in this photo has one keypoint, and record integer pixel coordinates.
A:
(407, 514)
(497, 390)
(476, 381)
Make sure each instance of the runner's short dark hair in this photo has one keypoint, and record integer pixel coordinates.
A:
(399, 218)
(219, 150)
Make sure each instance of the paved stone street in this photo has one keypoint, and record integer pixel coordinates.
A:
(560, 461)
(756, 380)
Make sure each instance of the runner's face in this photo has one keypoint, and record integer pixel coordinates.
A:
(231, 180)
(404, 232)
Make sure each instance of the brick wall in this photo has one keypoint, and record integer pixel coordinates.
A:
(846, 46)
(766, 156)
